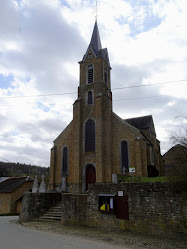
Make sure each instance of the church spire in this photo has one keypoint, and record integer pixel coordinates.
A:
(95, 42)
(96, 47)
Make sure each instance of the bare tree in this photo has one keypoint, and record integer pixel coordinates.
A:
(180, 136)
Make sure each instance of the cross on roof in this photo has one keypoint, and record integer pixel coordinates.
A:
(96, 11)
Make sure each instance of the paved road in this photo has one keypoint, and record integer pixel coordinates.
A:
(15, 236)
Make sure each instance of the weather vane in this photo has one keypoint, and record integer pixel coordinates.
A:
(96, 11)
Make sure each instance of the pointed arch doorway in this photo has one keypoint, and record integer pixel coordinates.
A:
(90, 175)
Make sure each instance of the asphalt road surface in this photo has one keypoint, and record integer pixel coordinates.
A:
(15, 236)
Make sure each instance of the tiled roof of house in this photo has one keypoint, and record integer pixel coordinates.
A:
(13, 183)
(140, 123)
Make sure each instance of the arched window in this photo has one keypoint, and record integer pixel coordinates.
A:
(90, 136)
(124, 155)
(90, 97)
(90, 74)
(65, 159)
(106, 76)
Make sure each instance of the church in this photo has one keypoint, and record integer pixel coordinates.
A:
(98, 145)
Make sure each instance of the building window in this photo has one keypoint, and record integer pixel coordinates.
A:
(65, 159)
(90, 97)
(90, 136)
(90, 74)
(124, 156)
(106, 76)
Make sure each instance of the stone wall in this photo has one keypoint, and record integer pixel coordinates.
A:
(35, 204)
(153, 208)
(75, 209)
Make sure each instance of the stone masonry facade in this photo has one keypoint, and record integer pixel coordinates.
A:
(154, 208)
(143, 148)
(36, 204)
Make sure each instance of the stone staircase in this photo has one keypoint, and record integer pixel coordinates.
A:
(53, 214)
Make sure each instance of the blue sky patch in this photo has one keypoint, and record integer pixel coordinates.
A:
(149, 23)
(64, 2)
(14, 133)
(140, 2)
(121, 20)
(5, 81)
(42, 107)
(150, 20)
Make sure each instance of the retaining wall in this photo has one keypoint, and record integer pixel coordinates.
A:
(153, 208)
(35, 204)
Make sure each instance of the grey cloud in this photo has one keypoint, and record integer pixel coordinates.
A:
(27, 154)
(140, 99)
(46, 42)
(9, 20)
(38, 129)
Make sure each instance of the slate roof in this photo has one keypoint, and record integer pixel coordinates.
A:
(95, 45)
(11, 184)
(95, 42)
(141, 123)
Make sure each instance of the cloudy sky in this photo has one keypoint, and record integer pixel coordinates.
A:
(41, 42)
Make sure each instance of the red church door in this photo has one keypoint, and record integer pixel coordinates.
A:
(90, 175)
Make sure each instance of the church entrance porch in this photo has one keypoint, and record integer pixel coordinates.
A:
(90, 175)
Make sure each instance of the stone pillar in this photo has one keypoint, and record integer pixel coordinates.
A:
(76, 172)
(107, 138)
(99, 139)
(52, 168)
(138, 171)
(42, 188)
(64, 183)
(35, 185)
(144, 158)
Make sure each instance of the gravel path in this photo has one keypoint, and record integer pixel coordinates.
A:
(121, 238)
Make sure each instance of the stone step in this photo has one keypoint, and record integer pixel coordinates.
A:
(49, 218)
(53, 214)
(55, 209)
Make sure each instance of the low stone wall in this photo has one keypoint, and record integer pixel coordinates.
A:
(153, 208)
(75, 209)
(35, 204)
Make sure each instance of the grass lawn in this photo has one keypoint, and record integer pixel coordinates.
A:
(143, 179)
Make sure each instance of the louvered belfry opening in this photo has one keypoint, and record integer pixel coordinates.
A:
(90, 74)
(90, 136)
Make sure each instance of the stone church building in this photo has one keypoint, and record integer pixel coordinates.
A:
(97, 145)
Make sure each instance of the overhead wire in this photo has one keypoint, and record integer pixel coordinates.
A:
(4, 159)
(69, 93)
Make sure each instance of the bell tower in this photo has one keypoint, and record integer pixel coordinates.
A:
(92, 114)
(95, 65)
